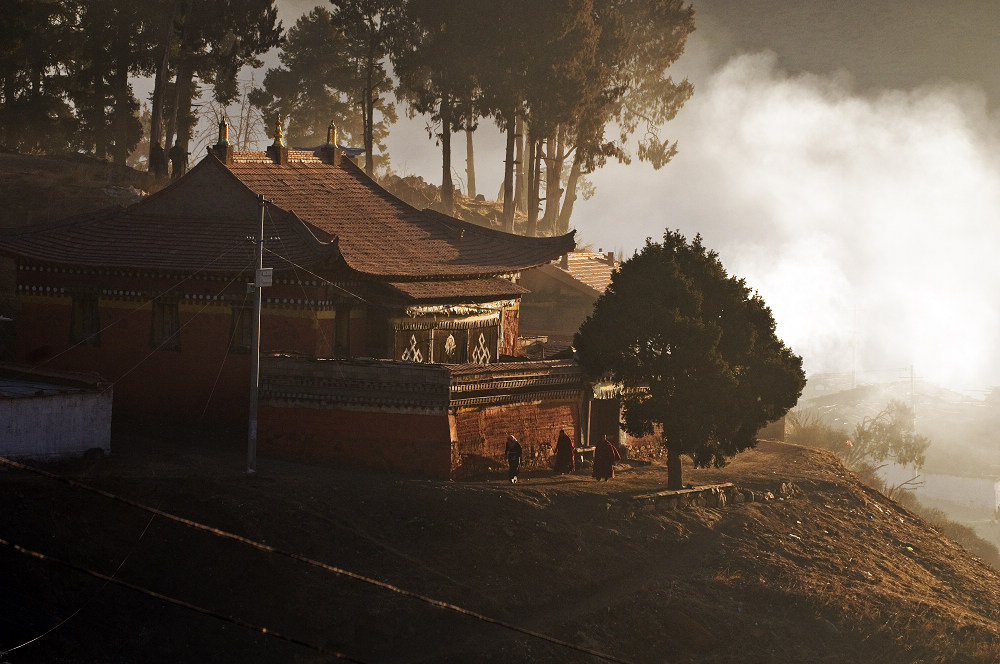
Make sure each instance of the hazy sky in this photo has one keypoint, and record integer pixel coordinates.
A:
(842, 157)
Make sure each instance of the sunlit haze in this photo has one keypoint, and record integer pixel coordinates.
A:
(868, 217)
(865, 215)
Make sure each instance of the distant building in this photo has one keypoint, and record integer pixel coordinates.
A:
(560, 296)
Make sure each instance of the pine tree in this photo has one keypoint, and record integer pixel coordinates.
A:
(370, 28)
(694, 352)
(309, 88)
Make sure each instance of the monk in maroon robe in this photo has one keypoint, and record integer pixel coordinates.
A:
(606, 455)
(565, 463)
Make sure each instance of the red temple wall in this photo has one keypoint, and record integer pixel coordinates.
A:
(482, 434)
(202, 378)
(404, 443)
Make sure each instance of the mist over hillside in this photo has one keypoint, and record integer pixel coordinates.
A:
(961, 473)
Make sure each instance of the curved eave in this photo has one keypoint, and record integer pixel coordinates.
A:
(381, 236)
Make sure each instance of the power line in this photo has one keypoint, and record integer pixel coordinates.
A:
(440, 604)
(173, 334)
(74, 614)
(177, 602)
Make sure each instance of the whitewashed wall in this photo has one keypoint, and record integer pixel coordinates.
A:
(53, 426)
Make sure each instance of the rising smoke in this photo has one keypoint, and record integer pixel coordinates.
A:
(867, 221)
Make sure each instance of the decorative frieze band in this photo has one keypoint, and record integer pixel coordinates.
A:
(519, 397)
(196, 298)
(148, 274)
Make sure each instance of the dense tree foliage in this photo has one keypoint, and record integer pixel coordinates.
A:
(571, 83)
(432, 60)
(333, 71)
(309, 89)
(694, 351)
(67, 66)
(114, 43)
(557, 75)
(215, 39)
(35, 114)
(370, 28)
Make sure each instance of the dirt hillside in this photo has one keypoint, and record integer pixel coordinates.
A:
(36, 189)
(554, 569)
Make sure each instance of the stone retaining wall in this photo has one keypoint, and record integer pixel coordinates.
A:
(714, 495)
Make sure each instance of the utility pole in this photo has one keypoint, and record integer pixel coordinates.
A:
(262, 278)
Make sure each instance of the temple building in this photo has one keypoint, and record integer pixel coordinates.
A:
(388, 334)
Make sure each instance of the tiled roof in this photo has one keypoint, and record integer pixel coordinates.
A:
(379, 234)
(122, 238)
(166, 231)
(592, 269)
(585, 272)
(316, 209)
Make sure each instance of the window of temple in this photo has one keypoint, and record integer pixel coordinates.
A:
(483, 344)
(85, 321)
(166, 326)
(342, 331)
(413, 345)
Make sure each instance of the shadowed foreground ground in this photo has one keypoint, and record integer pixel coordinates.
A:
(827, 571)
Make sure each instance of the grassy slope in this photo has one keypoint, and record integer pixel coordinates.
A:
(828, 571)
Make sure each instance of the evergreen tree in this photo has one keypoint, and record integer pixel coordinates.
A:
(370, 28)
(694, 351)
(38, 42)
(639, 41)
(216, 38)
(309, 88)
(436, 73)
(115, 43)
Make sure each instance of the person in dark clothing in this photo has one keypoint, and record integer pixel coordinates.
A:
(178, 160)
(158, 161)
(565, 463)
(513, 455)
(605, 457)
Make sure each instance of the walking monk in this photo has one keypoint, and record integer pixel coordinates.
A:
(605, 457)
(565, 463)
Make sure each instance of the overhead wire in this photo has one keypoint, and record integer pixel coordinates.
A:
(89, 599)
(175, 333)
(225, 357)
(302, 288)
(260, 546)
(317, 276)
(176, 602)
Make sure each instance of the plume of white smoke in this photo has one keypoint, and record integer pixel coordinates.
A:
(869, 223)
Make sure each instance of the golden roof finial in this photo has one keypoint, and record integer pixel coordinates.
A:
(223, 133)
(279, 137)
